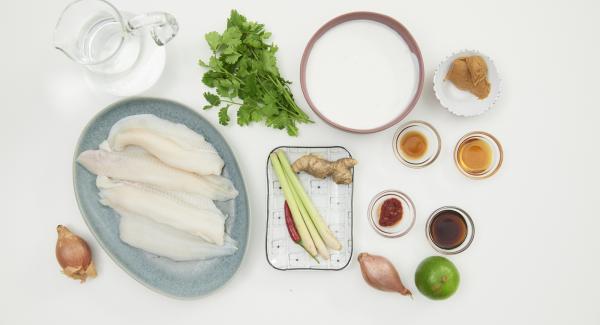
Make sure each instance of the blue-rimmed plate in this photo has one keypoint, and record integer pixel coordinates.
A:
(176, 279)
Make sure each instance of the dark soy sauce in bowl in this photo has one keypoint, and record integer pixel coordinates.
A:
(448, 229)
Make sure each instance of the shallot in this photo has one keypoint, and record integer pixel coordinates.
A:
(74, 255)
(381, 274)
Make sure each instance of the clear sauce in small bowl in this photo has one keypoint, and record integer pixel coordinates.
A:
(416, 144)
(478, 155)
(413, 144)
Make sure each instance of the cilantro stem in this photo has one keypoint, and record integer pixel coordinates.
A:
(221, 69)
(286, 94)
(230, 102)
(292, 108)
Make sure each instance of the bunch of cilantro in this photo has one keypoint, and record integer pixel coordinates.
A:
(243, 70)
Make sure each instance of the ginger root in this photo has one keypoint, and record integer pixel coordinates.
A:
(340, 170)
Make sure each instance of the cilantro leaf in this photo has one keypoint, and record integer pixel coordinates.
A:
(232, 58)
(214, 63)
(256, 116)
(214, 40)
(244, 115)
(292, 129)
(202, 64)
(224, 115)
(250, 88)
(270, 110)
(278, 121)
(211, 78)
(235, 19)
(232, 37)
(228, 50)
(243, 66)
(270, 62)
(212, 99)
(254, 41)
(226, 88)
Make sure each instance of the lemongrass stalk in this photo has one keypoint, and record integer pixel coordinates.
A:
(321, 226)
(314, 234)
(305, 239)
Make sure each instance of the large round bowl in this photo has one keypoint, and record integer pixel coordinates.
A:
(412, 47)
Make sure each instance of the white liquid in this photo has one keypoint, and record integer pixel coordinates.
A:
(361, 74)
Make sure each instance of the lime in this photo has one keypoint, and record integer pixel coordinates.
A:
(437, 278)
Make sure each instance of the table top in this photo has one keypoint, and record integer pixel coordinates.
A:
(534, 258)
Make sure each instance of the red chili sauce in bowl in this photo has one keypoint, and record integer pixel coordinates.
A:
(390, 212)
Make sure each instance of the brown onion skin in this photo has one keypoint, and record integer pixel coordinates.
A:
(74, 255)
(381, 274)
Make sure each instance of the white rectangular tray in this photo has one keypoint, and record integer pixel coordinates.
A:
(334, 203)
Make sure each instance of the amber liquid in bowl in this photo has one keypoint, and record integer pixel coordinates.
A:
(413, 144)
(475, 156)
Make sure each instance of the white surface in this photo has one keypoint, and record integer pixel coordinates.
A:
(361, 58)
(535, 255)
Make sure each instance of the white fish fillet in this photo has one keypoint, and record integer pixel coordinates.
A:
(195, 215)
(139, 166)
(174, 144)
(166, 241)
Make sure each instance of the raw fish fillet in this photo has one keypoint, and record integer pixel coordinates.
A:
(167, 241)
(139, 166)
(193, 214)
(174, 144)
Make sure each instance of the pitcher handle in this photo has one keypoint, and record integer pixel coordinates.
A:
(163, 26)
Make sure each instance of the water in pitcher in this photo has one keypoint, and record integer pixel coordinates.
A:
(131, 62)
(123, 53)
(104, 41)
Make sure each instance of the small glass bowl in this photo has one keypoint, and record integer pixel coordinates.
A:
(408, 215)
(497, 154)
(433, 144)
(468, 238)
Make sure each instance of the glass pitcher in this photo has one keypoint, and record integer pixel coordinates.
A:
(123, 53)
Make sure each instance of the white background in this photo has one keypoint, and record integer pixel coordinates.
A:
(535, 255)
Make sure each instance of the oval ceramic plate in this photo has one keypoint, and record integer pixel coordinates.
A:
(177, 279)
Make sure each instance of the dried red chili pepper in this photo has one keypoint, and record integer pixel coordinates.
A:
(289, 222)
